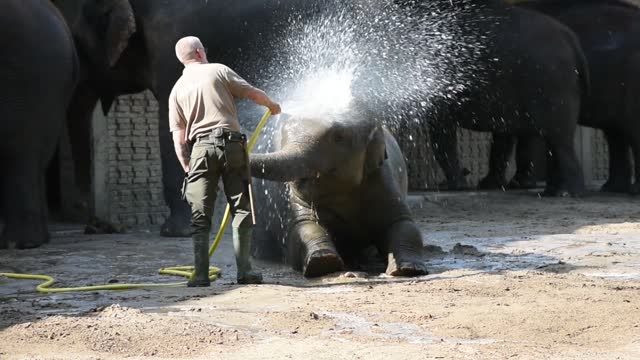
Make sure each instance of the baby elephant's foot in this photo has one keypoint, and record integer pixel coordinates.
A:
(322, 262)
(405, 267)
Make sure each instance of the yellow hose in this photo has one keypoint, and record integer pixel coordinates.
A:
(184, 271)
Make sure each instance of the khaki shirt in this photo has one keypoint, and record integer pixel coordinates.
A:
(203, 99)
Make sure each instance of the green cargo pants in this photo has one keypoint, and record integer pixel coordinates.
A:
(221, 154)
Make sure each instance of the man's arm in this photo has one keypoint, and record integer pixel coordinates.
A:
(240, 88)
(177, 126)
(260, 97)
(182, 148)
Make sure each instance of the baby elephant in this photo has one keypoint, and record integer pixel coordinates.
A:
(332, 185)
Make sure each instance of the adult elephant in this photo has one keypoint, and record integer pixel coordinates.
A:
(608, 32)
(532, 77)
(332, 185)
(127, 46)
(39, 70)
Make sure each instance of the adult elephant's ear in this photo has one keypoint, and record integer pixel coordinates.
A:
(121, 26)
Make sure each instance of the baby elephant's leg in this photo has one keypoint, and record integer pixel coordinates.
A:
(313, 250)
(402, 244)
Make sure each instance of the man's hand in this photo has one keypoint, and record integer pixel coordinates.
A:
(182, 149)
(259, 97)
(275, 108)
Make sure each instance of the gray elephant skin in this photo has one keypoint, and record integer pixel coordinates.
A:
(532, 78)
(332, 185)
(39, 70)
(127, 46)
(608, 32)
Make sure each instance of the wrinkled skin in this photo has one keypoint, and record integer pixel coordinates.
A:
(608, 32)
(127, 46)
(332, 185)
(39, 70)
(532, 80)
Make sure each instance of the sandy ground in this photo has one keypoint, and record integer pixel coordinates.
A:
(516, 276)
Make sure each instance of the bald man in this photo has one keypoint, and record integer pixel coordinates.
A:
(202, 113)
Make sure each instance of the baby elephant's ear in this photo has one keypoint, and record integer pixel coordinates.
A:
(376, 153)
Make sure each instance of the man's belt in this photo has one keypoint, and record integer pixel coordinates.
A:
(223, 134)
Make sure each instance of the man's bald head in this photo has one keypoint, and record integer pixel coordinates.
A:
(187, 49)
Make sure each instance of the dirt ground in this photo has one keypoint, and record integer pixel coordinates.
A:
(516, 277)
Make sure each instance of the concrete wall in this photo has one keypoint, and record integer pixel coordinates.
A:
(127, 185)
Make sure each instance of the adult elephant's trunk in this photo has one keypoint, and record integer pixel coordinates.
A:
(284, 165)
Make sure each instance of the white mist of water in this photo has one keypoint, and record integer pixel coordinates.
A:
(400, 61)
(327, 91)
(395, 58)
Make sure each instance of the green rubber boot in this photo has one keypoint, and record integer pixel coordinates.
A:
(242, 247)
(201, 252)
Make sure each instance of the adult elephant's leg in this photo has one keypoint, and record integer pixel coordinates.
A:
(44, 209)
(178, 222)
(566, 177)
(635, 148)
(4, 207)
(556, 118)
(79, 118)
(619, 163)
(444, 142)
(527, 149)
(552, 180)
(501, 150)
(22, 195)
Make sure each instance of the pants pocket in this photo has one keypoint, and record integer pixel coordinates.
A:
(198, 167)
(235, 156)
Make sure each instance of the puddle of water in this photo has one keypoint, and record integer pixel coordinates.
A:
(615, 276)
(578, 252)
(397, 331)
(332, 290)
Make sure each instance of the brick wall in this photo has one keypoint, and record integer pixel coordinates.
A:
(474, 148)
(134, 170)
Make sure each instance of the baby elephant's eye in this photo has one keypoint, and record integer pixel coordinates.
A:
(339, 137)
